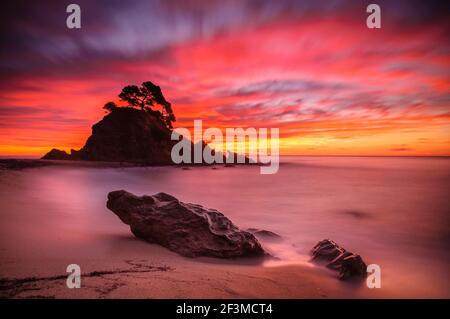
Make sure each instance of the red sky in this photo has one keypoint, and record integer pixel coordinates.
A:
(331, 85)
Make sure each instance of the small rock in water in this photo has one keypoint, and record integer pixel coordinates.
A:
(348, 264)
(188, 229)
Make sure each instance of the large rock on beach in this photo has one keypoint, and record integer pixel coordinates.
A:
(188, 229)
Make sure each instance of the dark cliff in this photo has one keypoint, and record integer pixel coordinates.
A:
(125, 135)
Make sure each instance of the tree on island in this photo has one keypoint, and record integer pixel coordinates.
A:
(145, 97)
(110, 106)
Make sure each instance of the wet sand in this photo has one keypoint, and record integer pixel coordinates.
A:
(54, 216)
(145, 270)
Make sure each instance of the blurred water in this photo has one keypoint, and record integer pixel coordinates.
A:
(392, 211)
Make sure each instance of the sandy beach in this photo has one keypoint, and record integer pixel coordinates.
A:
(144, 270)
(56, 215)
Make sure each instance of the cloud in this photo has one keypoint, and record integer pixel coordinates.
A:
(35, 36)
(279, 86)
(310, 68)
(401, 148)
(16, 116)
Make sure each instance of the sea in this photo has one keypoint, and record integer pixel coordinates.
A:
(393, 211)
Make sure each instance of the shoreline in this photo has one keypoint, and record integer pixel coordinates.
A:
(25, 163)
(16, 163)
(168, 275)
(73, 226)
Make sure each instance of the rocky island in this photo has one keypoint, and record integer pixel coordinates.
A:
(137, 132)
(124, 135)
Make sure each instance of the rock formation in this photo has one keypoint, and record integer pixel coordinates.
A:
(56, 154)
(128, 135)
(125, 135)
(188, 229)
(348, 264)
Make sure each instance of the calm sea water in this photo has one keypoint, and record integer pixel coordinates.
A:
(395, 212)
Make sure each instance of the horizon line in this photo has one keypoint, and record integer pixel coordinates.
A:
(289, 155)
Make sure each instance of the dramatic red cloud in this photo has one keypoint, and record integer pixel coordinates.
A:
(331, 85)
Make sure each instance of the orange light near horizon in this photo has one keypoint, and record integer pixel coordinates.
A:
(327, 88)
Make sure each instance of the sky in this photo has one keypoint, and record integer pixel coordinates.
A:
(310, 68)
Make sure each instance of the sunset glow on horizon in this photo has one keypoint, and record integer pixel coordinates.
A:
(331, 85)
